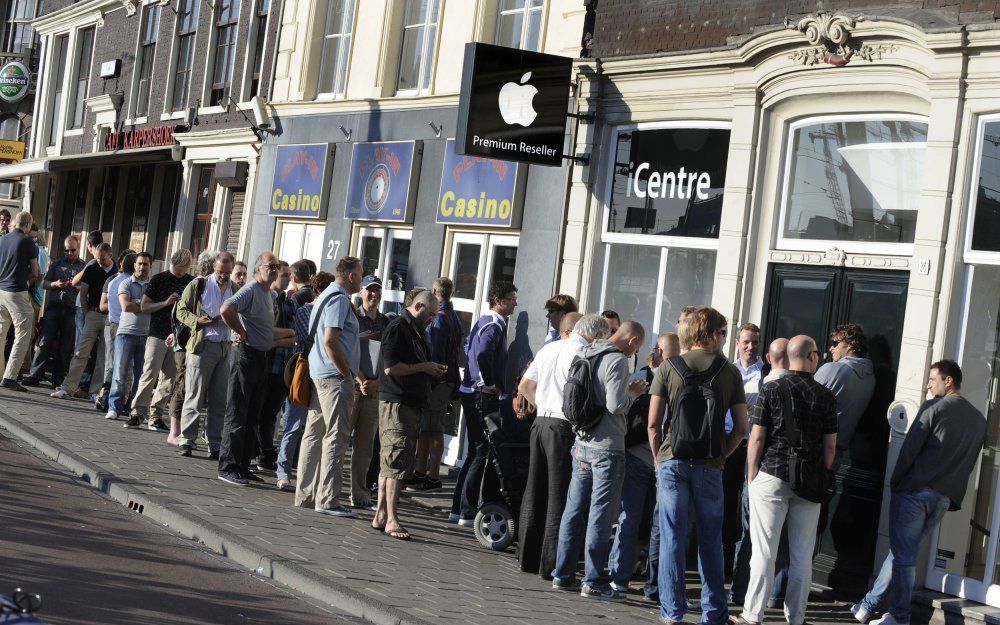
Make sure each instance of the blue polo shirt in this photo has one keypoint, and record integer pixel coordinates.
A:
(334, 313)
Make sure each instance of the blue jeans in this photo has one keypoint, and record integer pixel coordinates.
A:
(639, 477)
(652, 586)
(912, 515)
(290, 438)
(681, 485)
(130, 349)
(591, 507)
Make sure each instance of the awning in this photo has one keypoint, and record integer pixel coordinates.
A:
(29, 167)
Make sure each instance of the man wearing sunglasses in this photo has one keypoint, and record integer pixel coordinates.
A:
(851, 377)
(59, 322)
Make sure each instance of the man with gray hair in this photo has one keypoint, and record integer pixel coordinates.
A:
(18, 270)
(552, 437)
(205, 264)
(160, 368)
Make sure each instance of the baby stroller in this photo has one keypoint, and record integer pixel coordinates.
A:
(502, 487)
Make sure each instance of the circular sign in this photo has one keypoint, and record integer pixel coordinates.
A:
(377, 189)
(14, 81)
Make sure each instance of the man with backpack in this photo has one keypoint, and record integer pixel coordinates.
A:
(596, 400)
(791, 450)
(695, 389)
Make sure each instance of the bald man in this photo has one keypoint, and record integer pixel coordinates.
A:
(772, 500)
(567, 324)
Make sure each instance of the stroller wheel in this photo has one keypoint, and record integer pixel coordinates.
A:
(494, 526)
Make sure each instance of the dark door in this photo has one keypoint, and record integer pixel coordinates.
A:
(813, 301)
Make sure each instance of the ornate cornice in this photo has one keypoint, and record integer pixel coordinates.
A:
(831, 34)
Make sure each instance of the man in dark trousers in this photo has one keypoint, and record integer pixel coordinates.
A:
(484, 384)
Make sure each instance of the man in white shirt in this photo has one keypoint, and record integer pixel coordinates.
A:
(552, 437)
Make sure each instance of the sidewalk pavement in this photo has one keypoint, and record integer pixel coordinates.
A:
(441, 576)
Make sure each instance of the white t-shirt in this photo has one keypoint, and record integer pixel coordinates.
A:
(550, 371)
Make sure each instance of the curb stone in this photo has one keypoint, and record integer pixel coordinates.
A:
(162, 510)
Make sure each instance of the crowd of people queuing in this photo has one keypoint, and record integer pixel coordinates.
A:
(738, 454)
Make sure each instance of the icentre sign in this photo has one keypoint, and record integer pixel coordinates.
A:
(156, 136)
(681, 184)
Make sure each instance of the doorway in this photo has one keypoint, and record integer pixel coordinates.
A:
(815, 300)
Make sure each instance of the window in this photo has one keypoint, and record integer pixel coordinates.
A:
(519, 24)
(17, 33)
(477, 261)
(227, 17)
(296, 241)
(853, 180)
(85, 49)
(385, 252)
(204, 208)
(417, 52)
(147, 52)
(260, 37)
(336, 47)
(187, 25)
(10, 129)
(59, 63)
(984, 224)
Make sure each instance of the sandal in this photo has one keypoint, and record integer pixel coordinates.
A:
(285, 485)
(377, 528)
(739, 620)
(399, 533)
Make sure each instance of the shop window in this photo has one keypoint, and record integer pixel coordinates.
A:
(84, 49)
(263, 7)
(385, 252)
(56, 110)
(984, 226)
(519, 24)
(147, 52)
(416, 60)
(10, 129)
(166, 219)
(187, 29)
(853, 180)
(227, 17)
(336, 48)
(297, 241)
(477, 261)
(204, 207)
(18, 35)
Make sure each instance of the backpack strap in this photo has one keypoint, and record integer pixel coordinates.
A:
(794, 434)
(717, 366)
(677, 364)
(308, 344)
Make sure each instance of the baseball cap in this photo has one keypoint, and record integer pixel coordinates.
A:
(367, 281)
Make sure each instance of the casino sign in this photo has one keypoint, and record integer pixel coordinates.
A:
(15, 79)
(382, 181)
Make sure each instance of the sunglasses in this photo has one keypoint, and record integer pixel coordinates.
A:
(70, 249)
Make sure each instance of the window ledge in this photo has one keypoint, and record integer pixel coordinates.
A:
(329, 97)
(75, 132)
(211, 110)
(174, 115)
(140, 120)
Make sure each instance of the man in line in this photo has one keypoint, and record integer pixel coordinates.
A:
(59, 321)
(334, 362)
(550, 466)
(240, 274)
(683, 481)
(130, 341)
(276, 392)
(614, 320)
(851, 377)
(91, 286)
(599, 468)
(403, 393)
(555, 309)
(18, 270)
(159, 372)
(4, 221)
(250, 315)
(364, 409)
(207, 353)
(798, 399)
(445, 336)
(302, 273)
(112, 309)
(94, 239)
(941, 449)
(484, 384)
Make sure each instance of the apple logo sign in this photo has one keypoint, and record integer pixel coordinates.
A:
(515, 102)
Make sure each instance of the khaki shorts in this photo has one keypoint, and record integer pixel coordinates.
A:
(398, 429)
(432, 418)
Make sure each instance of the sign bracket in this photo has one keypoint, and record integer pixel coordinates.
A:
(581, 159)
(587, 117)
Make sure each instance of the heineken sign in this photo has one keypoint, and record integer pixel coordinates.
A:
(14, 81)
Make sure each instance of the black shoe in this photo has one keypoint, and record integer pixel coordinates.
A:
(157, 425)
(185, 451)
(432, 484)
(30, 381)
(250, 477)
(234, 478)
(13, 385)
(213, 455)
(133, 422)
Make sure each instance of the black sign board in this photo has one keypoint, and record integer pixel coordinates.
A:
(513, 105)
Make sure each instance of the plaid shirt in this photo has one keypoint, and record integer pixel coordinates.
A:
(284, 317)
(301, 326)
(815, 412)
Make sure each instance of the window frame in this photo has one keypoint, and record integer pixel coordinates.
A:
(82, 65)
(525, 11)
(227, 48)
(56, 99)
(428, 50)
(348, 21)
(780, 242)
(969, 255)
(145, 50)
(254, 66)
(282, 225)
(386, 235)
(182, 37)
(13, 22)
(11, 189)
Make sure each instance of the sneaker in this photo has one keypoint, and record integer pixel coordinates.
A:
(341, 511)
(111, 415)
(607, 594)
(133, 422)
(234, 478)
(569, 585)
(370, 505)
(453, 518)
(29, 381)
(12, 385)
(432, 484)
(185, 451)
(619, 588)
(414, 482)
(860, 613)
(59, 394)
(250, 477)
(887, 619)
(157, 425)
(80, 394)
(466, 522)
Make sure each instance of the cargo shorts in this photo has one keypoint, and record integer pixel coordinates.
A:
(399, 427)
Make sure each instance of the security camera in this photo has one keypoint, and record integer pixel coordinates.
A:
(260, 115)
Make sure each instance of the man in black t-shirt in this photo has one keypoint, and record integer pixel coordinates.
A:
(160, 372)
(18, 270)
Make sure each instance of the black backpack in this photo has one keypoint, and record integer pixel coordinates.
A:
(638, 415)
(579, 405)
(697, 421)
